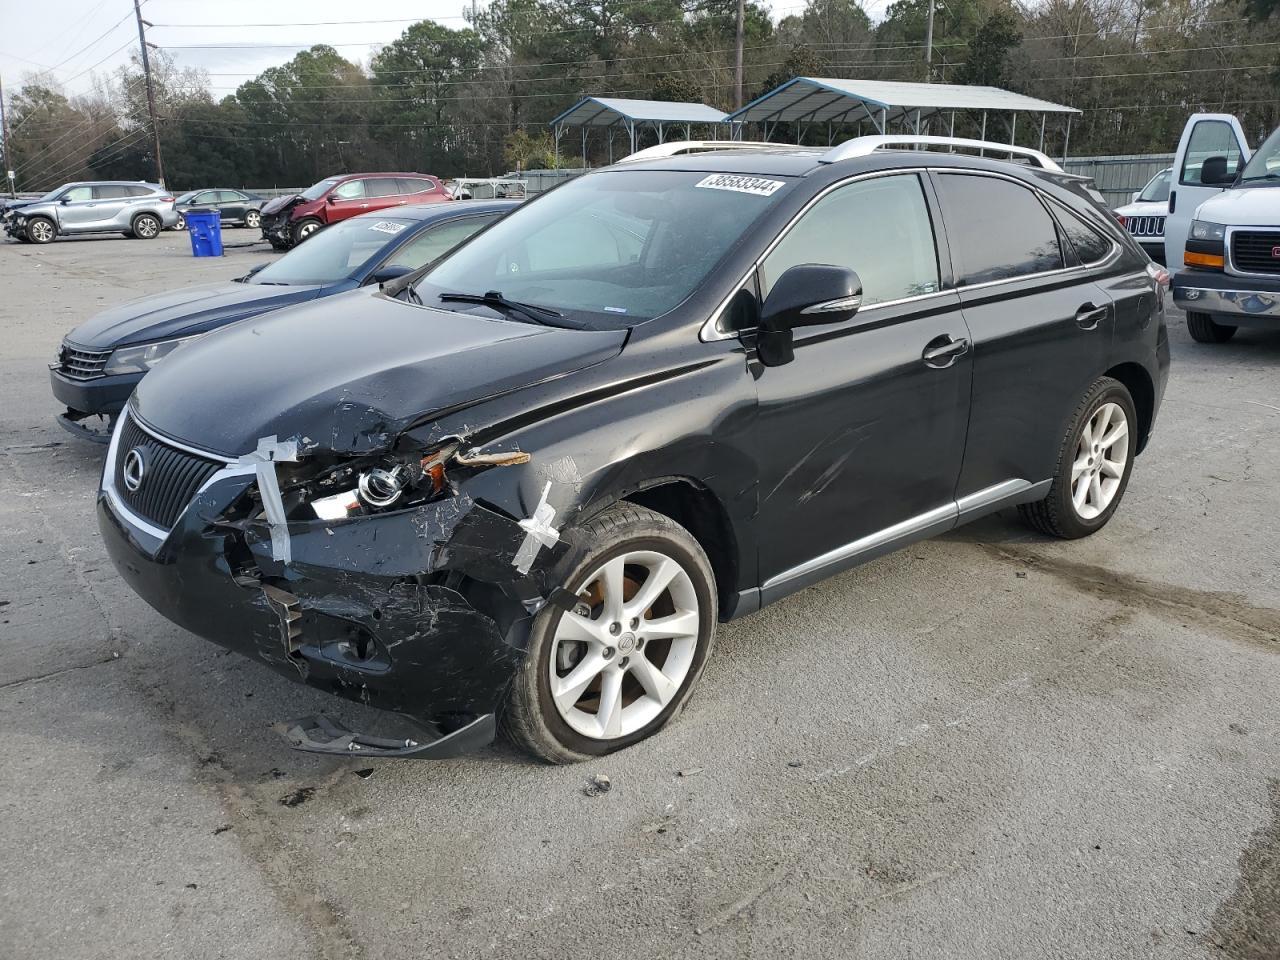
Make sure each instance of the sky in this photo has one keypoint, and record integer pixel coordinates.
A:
(81, 38)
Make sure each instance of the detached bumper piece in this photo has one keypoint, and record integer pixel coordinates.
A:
(319, 734)
(73, 422)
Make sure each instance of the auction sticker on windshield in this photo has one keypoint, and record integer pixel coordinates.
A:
(386, 226)
(728, 181)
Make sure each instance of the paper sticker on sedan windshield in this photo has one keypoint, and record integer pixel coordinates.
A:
(728, 181)
(386, 226)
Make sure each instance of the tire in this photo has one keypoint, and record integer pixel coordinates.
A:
(649, 541)
(181, 224)
(146, 226)
(278, 245)
(1062, 513)
(252, 219)
(1204, 329)
(41, 230)
(303, 229)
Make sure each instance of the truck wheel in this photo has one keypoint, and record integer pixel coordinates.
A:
(146, 226)
(305, 228)
(1094, 464)
(622, 662)
(41, 230)
(1204, 329)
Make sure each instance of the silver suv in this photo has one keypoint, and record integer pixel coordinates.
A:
(132, 208)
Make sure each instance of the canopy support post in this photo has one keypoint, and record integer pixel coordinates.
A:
(951, 130)
(884, 121)
(983, 135)
(1043, 118)
(1066, 140)
(584, 147)
(1013, 128)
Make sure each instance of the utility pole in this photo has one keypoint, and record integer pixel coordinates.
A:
(928, 44)
(8, 144)
(737, 68)
(151, 96)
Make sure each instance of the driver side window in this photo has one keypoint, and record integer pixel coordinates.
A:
(76, 194)
(351, 190)
(879, 227)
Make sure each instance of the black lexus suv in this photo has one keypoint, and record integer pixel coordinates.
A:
(521, 487)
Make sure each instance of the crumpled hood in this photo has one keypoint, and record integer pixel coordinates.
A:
(181, 312)
(1243, 207)
(279, 203)
(348, 373)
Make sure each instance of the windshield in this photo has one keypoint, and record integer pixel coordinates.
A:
(1265, 164)
(334, 253)
(610, 249)
(1157, 188)
(186, 197)
(318, 190)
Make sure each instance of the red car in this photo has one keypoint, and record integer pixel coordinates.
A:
(290, 220)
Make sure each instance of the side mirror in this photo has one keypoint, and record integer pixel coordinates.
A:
(809, 294)
(389, 273)
(333, 198)
(1214, 172)
(64, 199)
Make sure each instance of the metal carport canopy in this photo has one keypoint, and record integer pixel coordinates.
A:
(822, 99)
(606, 111)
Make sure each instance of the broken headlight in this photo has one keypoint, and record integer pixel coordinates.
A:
(384, 483)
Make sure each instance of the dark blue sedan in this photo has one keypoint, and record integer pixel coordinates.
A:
(102, 360)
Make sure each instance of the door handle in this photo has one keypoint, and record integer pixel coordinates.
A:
(941, 352)
(1173, 200)
(1089, 316)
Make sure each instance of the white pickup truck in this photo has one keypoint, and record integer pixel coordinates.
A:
(1222, 235)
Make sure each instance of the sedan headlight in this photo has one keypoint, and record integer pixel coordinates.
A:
(144, 356)
(1204, 230)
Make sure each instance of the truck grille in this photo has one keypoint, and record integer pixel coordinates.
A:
(171, 477)
(1255, 251)
(78, 364)
(1146, 226)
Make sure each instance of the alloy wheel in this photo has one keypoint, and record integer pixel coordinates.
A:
(306, 230)
(621, 655)
(40, 231)
(252, 219)
(181, 224)
(1102, 453)
(146, 227)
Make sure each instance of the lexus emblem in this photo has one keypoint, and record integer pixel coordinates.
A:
(135, 467)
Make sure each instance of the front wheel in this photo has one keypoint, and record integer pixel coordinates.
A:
(181, 224)
(41, 230)
(253, 219)
(305, 228)
(1094, 465)
(1204, 329)
(146, 227)
(619, 664)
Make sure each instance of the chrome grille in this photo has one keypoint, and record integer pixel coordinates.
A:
(1146, 226)
(1255, 251)
(79, 364)
(171, 477)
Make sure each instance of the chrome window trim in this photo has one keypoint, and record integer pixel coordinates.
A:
(232, 469)
(1231, 268)
(710, 331)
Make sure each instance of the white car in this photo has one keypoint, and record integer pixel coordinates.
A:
(1222, 235)
(1144, 217)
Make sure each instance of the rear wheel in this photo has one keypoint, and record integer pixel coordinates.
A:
(1204, 329)
(181, 224)
(41, 230)
(146, 226)
(253, 219)
(619, 665)
(305, 228)
(1094, 464)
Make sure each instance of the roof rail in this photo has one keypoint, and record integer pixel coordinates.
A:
(676, 147)
(864, 146)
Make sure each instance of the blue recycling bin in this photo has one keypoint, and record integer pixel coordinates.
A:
(205, 229)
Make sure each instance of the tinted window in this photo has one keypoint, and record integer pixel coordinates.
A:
(878, 227)
(1210, 139)
(229, 196)
(436, 242)
(351, 190)
(140, 191)
(997, 229)
(78, 193)
(110, 191)
(1089, 244)
(381, 187)
(408, 185)
(611, 248)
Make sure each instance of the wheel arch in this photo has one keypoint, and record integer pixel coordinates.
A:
(1141, 387)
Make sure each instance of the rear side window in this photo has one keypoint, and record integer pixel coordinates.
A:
(878, 227)
(1211, 148)
(110, 191)
(140, 191)
(414, 185)
(351, 190)
(229, 196)
(998, 230)
(1089, 244)
(381, 187)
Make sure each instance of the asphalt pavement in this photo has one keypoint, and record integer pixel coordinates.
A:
(990, 745)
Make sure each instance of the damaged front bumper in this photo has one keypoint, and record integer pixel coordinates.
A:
(420, 612)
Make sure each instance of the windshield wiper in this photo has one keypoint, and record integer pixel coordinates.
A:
(535, 314)
(1265, 176)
